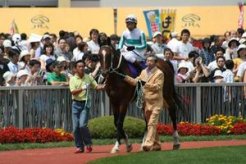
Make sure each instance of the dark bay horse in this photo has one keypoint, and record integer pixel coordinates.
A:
(113, 66)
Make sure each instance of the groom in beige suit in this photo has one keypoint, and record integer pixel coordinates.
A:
(153, 100)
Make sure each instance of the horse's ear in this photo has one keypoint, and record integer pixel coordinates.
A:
(108, 40)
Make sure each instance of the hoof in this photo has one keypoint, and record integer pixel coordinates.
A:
(176, 147)
(113, 151)
(156, 148)
(146, 148)
(129, 148)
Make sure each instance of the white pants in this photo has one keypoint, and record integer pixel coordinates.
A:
(133, 56)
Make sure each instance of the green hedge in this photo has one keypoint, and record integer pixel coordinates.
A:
(103, 127)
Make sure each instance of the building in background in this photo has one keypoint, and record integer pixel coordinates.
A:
(114, 3)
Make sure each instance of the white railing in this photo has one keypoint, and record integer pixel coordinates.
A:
(49, 106)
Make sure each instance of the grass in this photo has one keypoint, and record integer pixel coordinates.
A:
(18, 146)
(225, 155)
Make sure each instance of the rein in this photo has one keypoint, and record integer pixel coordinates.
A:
(139, 87)
(139, 93)
(114, 70)
(111, 69)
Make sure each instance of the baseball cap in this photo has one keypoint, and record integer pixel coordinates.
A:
(22, 73)
(156, 34)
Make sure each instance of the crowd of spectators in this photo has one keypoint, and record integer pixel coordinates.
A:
(49, 59)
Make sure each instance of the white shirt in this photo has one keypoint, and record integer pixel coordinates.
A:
(175, 66)
(93, 47)
(13, 67)
(158, 48)
(230, 56)
(23, 66)
(241, 69)
(45, 57)
(77, 54)
(228, 76)
(172, 44)
(183, 49)
(212, 65)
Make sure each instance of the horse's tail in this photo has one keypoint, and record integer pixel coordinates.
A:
(177, 98)
(179, 103)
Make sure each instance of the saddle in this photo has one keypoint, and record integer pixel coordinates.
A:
(135, 69)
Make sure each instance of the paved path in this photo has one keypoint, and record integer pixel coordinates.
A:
(66, 155)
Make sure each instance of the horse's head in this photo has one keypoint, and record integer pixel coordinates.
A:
(106, 59)
(103, 39)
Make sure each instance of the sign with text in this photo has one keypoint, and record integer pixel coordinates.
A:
(167, 22)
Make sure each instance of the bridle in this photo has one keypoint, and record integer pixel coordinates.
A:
(112, 69)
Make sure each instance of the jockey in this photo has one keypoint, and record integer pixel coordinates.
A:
(133, 42)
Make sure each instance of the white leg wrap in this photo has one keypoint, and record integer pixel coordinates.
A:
(116, 148)
(175, 137)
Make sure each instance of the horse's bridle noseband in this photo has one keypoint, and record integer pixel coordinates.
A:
(111, 68)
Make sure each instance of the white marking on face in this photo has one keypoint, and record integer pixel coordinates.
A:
(104, 55)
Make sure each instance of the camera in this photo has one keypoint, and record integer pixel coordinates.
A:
(198, 61)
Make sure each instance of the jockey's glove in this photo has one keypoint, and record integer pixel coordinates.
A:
(130, 48)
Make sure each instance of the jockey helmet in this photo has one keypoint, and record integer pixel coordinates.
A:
(131, 18)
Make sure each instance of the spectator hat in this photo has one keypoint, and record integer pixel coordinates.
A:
(22, 73)
(174, 34)
(183, 65)
(24, 53)
(34, 38)
(233, 40)
(7, 43)
(218, 73)
(49, 62)
(7, 76)
(46, 36)
(156, 34)
(241, 47)
(61, 59)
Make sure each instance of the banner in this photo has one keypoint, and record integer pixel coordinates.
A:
(152, 19)
(201, 21)
(42, 20)
(13, 28)
(167, 22)
(241, 15)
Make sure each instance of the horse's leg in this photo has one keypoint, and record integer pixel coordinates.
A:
(145, 134)
(116, 147)
(123, 109)
(172, 114)
(119, 117)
